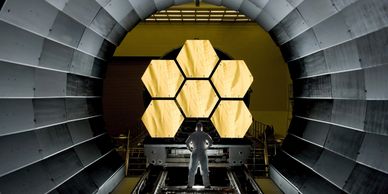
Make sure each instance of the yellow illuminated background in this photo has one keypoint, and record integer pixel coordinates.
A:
(245, 41)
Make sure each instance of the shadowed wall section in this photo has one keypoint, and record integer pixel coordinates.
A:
(53, 56)
(123, 102)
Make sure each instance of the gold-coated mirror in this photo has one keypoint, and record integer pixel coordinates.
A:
(232, 119)
(197, 58)
(197, 98)
(162, 78)
(162, 118)
(232, 78)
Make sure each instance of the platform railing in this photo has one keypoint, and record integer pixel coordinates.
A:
(127, 154)
(258, 131)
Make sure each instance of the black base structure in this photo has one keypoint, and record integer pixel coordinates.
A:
(174, 180)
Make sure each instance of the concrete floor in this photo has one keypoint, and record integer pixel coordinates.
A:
(128, 183)
(268, 186)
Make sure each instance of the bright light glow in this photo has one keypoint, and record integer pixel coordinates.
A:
(173, 11)
(174, 15)
(160, 15)
(230, 16)
(199, 15)
(243, 20)
(218, 11)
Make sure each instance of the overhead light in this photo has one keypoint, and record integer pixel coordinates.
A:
(175, 19)
(218, 11)
(174, 15)
(173, 11)
(230, 16)
(203, 15)
(160, 15)
(243, 20)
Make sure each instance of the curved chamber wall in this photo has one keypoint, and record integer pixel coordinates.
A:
(53, 57)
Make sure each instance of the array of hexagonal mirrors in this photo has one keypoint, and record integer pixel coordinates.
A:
(201, 91)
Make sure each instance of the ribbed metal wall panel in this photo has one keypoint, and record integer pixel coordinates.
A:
(232, 4)
(366, 180)
(51, 63)
(144, 8)
(338, 64)
(350, 113)
(52, 60)
(312, 131)
(334, 167)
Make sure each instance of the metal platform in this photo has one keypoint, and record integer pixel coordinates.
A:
(158, 180)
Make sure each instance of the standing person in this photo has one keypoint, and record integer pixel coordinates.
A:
(198, 142)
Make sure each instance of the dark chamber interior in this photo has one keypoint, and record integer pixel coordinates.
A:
(178, 177)
(53, 56)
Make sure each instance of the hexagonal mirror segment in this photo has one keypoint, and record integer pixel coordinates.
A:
(232, 119)
(197, 98)
(197, 58)
(162, 78)
(232, 78)
(162, 118)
